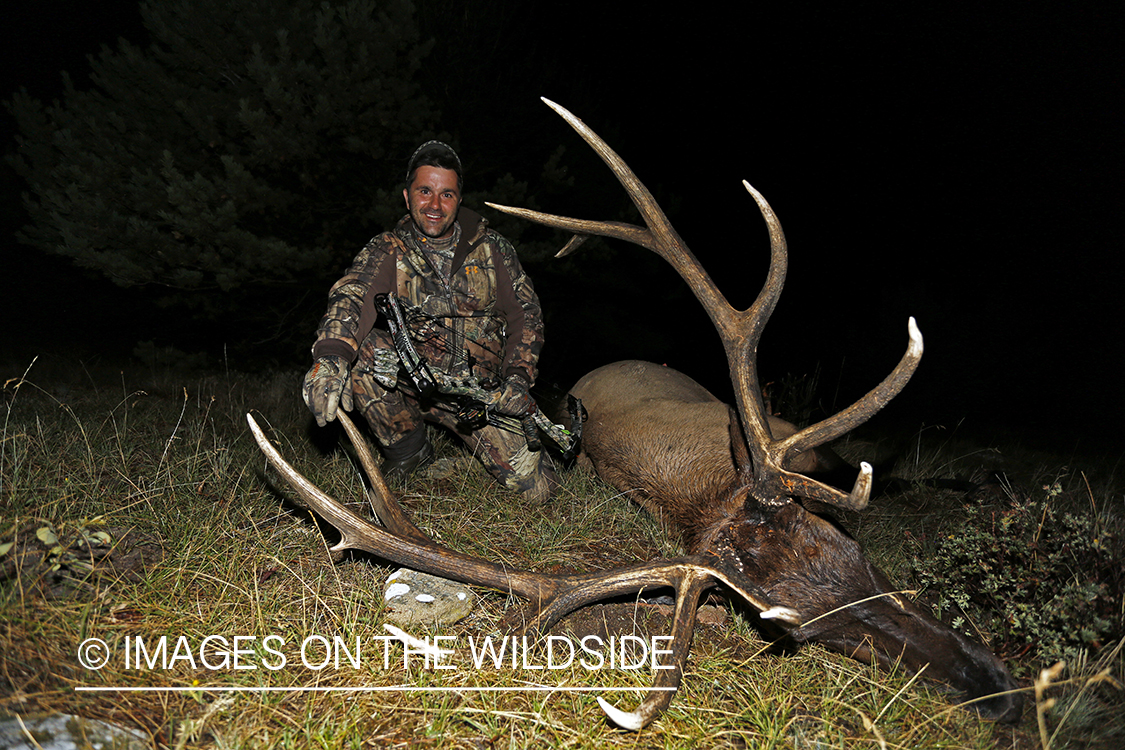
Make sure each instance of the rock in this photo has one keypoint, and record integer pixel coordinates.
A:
(415, 598)
(67, 732)
(709, 614)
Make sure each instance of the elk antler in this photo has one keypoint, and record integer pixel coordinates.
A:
(550, 597)
(740, 331)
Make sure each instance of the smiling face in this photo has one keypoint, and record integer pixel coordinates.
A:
(433, 199)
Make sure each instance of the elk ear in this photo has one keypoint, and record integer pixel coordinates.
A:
(738, 448)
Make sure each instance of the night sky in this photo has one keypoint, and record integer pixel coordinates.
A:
(960, 163)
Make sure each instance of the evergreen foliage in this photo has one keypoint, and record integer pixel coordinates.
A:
(251, 149)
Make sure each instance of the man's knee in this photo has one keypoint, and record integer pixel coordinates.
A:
(532, 475)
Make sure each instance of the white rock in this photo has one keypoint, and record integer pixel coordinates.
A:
(432, 600)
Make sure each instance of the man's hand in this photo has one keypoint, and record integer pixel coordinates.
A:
(514, 399)
(326, 385)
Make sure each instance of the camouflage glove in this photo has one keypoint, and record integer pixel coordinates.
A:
(326, 384)
(514, 399)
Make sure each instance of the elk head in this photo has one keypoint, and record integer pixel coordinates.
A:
(845, 603)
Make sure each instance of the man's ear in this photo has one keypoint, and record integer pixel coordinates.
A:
(406, 197)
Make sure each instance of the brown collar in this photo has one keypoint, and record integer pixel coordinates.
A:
(472, 232)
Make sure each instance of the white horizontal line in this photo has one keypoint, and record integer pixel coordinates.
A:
(393, 689)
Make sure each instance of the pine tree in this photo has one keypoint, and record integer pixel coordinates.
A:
(243, 156)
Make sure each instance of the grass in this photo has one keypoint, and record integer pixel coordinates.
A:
(115, 465)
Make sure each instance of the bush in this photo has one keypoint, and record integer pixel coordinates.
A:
(1033, 578)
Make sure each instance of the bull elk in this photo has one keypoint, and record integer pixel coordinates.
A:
(743, 529)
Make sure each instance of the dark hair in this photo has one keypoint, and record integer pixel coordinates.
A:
(434, 154)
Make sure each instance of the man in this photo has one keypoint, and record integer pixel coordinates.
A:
(470, 310)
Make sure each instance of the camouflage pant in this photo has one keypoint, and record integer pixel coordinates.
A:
(393, 414)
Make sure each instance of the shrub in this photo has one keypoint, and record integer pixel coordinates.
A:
(1033, 577)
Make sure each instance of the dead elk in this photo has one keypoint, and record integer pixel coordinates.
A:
(728, 484)
(656, 434)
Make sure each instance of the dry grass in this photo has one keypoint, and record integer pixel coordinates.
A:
(170, 462)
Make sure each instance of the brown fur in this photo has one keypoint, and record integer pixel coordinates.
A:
(653, 429)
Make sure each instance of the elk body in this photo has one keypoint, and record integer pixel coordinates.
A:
(653, 416)
(659, 436)
(743, 529)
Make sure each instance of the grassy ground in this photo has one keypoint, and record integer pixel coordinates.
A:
(136, 506)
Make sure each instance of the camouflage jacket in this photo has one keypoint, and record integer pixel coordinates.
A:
(485, 320)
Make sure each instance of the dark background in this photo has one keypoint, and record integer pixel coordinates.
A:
(960, 163)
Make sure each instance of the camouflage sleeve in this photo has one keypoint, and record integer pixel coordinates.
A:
(351, 314)
(519, 304)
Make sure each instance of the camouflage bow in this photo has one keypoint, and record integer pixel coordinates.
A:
(470, 398)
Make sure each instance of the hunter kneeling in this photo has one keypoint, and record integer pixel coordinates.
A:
(463, 334)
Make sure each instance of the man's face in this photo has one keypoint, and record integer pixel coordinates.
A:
(432, 200)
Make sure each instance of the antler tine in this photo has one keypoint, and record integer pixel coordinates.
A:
(845, 421)
(862, 410)
(383, 502)
(689, 588)
(359, 533)
(664, 239)
(742, 352)
(667, 680)
(659, 237)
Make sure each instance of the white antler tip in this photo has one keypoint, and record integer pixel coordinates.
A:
(624, 719)
(915, 336)
(763, 204)
(865, 468)
(780, 613)
(563, 111)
